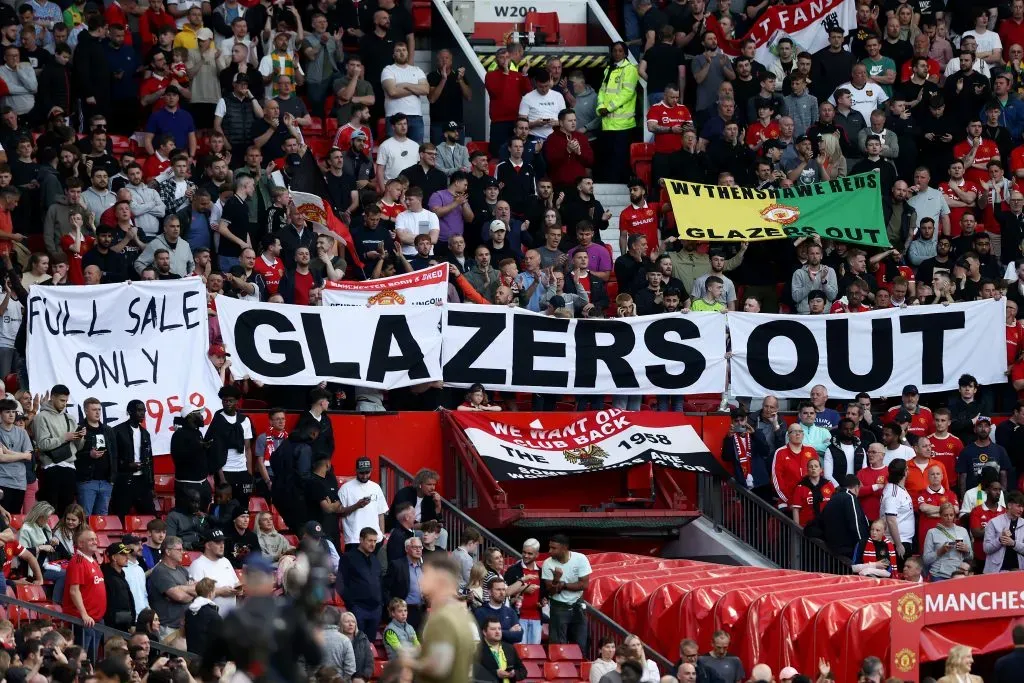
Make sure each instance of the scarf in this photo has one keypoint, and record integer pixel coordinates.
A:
(273, 435)
(231, 435)
(741, 444)
(816, 494)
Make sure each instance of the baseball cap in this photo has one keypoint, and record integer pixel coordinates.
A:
(788, 672)
(129, 539)
(497, 225)
(358, 135)
(364, 465)
(118, 549)
(213, 536)
(984, 418)
(451, 125)
(910, 389)
(557, 301)
(241, 78)
(490, 182)
(313, 529)
(204, 34)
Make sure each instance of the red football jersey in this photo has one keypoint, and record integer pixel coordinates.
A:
(955, 212)
(666, 143)
(272, 273)
(803, 500)
(343, 138)
(642, 220)
(946, 450)
(757, 129)
(1014, 337)
(929, 497)
(870, 499)
(921, 422)
(980, 516)
(987, 151)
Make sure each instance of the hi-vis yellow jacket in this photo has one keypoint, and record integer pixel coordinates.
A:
(618, 96)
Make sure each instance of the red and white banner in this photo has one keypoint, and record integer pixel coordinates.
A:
(523, 446)
(318, 211)
(427, 287)
(807, 24)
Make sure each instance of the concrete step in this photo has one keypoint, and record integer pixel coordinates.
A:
(613, 198)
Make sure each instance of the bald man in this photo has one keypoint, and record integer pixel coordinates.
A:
(687, 673)
(761, 672)
(92, 275)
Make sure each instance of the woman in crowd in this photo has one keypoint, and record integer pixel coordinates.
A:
(67, 530)
(650, 667)
(148, 623)
(958, 666)
(36, 535)
(474, 590)
(360, 647)
(605, 662)
(946, 546)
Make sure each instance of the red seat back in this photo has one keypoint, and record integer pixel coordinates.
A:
(546, 23)
(137, 523)
(565, 652)
(554, 671)
(105, 523)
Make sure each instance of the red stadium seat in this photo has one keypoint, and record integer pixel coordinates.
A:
(11, 382)
(164, 483)
(585, 670)
(29, 592)
(258, 504)
(293, 540)
(189, 557)
(421, 15)
(546, 23)
(341, 479)
(565, 653)
(279, 522)
(105, 523)
(318, 146)
(316, 127)
(378, 667)
(531, 652)
(477, 146)
(137, 523)
(560, 671)
(640, 156)
(491, 165)
(164, 504)
(534, 670)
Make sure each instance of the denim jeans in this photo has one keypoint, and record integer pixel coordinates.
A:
(57, 576)
(415, 128)
(531, 631)
(568, 624)
(227, 262)
(673, 403)
(94, 496)
(631, 402)
(89, 639)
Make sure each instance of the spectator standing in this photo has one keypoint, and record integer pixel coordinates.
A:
(1008, 666)
(842, 520)
(506, 88)
(897, 509)
(170, 588)
(616, 105)
(982, 452)
(97, 468)
(59, 440)
(359, 581)
(92, 69)
(448, 90)
(396, 152)
(789, 465)
(567, 152)
(523, 581)
(710, 69)
(566, 575)
(727, 667)
(120, 610)
(541, 106)
(85, 592)
(497, 608)
(181, 260)
(403, 85)
(231, 434)
(1004, 537)
(338, 651)
(17, 457)
(20, 79)
(452, 155)
(946, 546)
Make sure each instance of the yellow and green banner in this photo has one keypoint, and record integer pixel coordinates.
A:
(847, 209)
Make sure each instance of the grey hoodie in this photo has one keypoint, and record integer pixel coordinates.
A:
(49, 428)
(56, 223)
(478, 279)
(182, 261)
(587, 120)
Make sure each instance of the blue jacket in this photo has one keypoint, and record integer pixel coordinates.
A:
(1011, 118)
(125, 60)
(359, 580)
(508, 618)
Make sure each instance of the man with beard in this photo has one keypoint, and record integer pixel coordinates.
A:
(729, 154)
(845, 454)
(813, 275)
(190, 455)
(358, 122)
(356, 163)
(112, 264)
(583, 205)
(667, 120)
(452, 156)
(532, 148)
(746, 448)
(342, 190)
(403, 85)
(918, 88)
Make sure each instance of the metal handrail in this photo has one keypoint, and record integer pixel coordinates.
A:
(769, 532)
(107, 631)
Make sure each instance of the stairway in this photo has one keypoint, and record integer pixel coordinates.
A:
(424, 59)
(613, 198)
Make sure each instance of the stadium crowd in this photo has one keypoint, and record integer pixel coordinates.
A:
(163, 140)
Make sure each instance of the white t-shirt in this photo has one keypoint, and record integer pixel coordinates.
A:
(236, 459)
(897, 502)
(419, 223)
(577, 567)
(137, 446)
(396, 156)
(902, 452)
(980, 65)
(10, 323)
(987, 41)
(220, 571)
(183, 6)
(970, 500)
(535, 106)
(403, 75)
(866, 99)
(350, 493)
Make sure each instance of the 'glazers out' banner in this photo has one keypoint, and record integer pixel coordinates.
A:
(118, 342)
(512, 350)
(879, 352)
(847, 209)
(558, 444)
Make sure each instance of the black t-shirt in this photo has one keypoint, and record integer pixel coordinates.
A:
(237, 546)
(663, 62)
(272, 149)
(339, 192)
(318, 489)
(377, 53)
(652, 21)
(899, 52)
(38, 58)
(95, 438)
(237, 213)
(448, 106)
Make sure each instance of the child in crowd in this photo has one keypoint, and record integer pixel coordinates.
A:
(476, 400)
(399, 633)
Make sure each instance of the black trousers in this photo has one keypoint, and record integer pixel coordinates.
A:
(58, 486)
(132, 492)
(14, 500)
(203, 489)
(241, 487)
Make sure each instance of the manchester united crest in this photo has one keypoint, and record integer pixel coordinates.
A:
(779, 213)
(591, 457)
(910, 607)
(905, 659)
(386, 297)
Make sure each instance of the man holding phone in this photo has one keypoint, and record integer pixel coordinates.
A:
(59, 442)
(362, 505)
(97, 462)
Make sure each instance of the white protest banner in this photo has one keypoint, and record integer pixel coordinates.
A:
(368, 347)
(119, 342)
(524, 446)
(878, 352)
(515, 350)
(426, 287)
